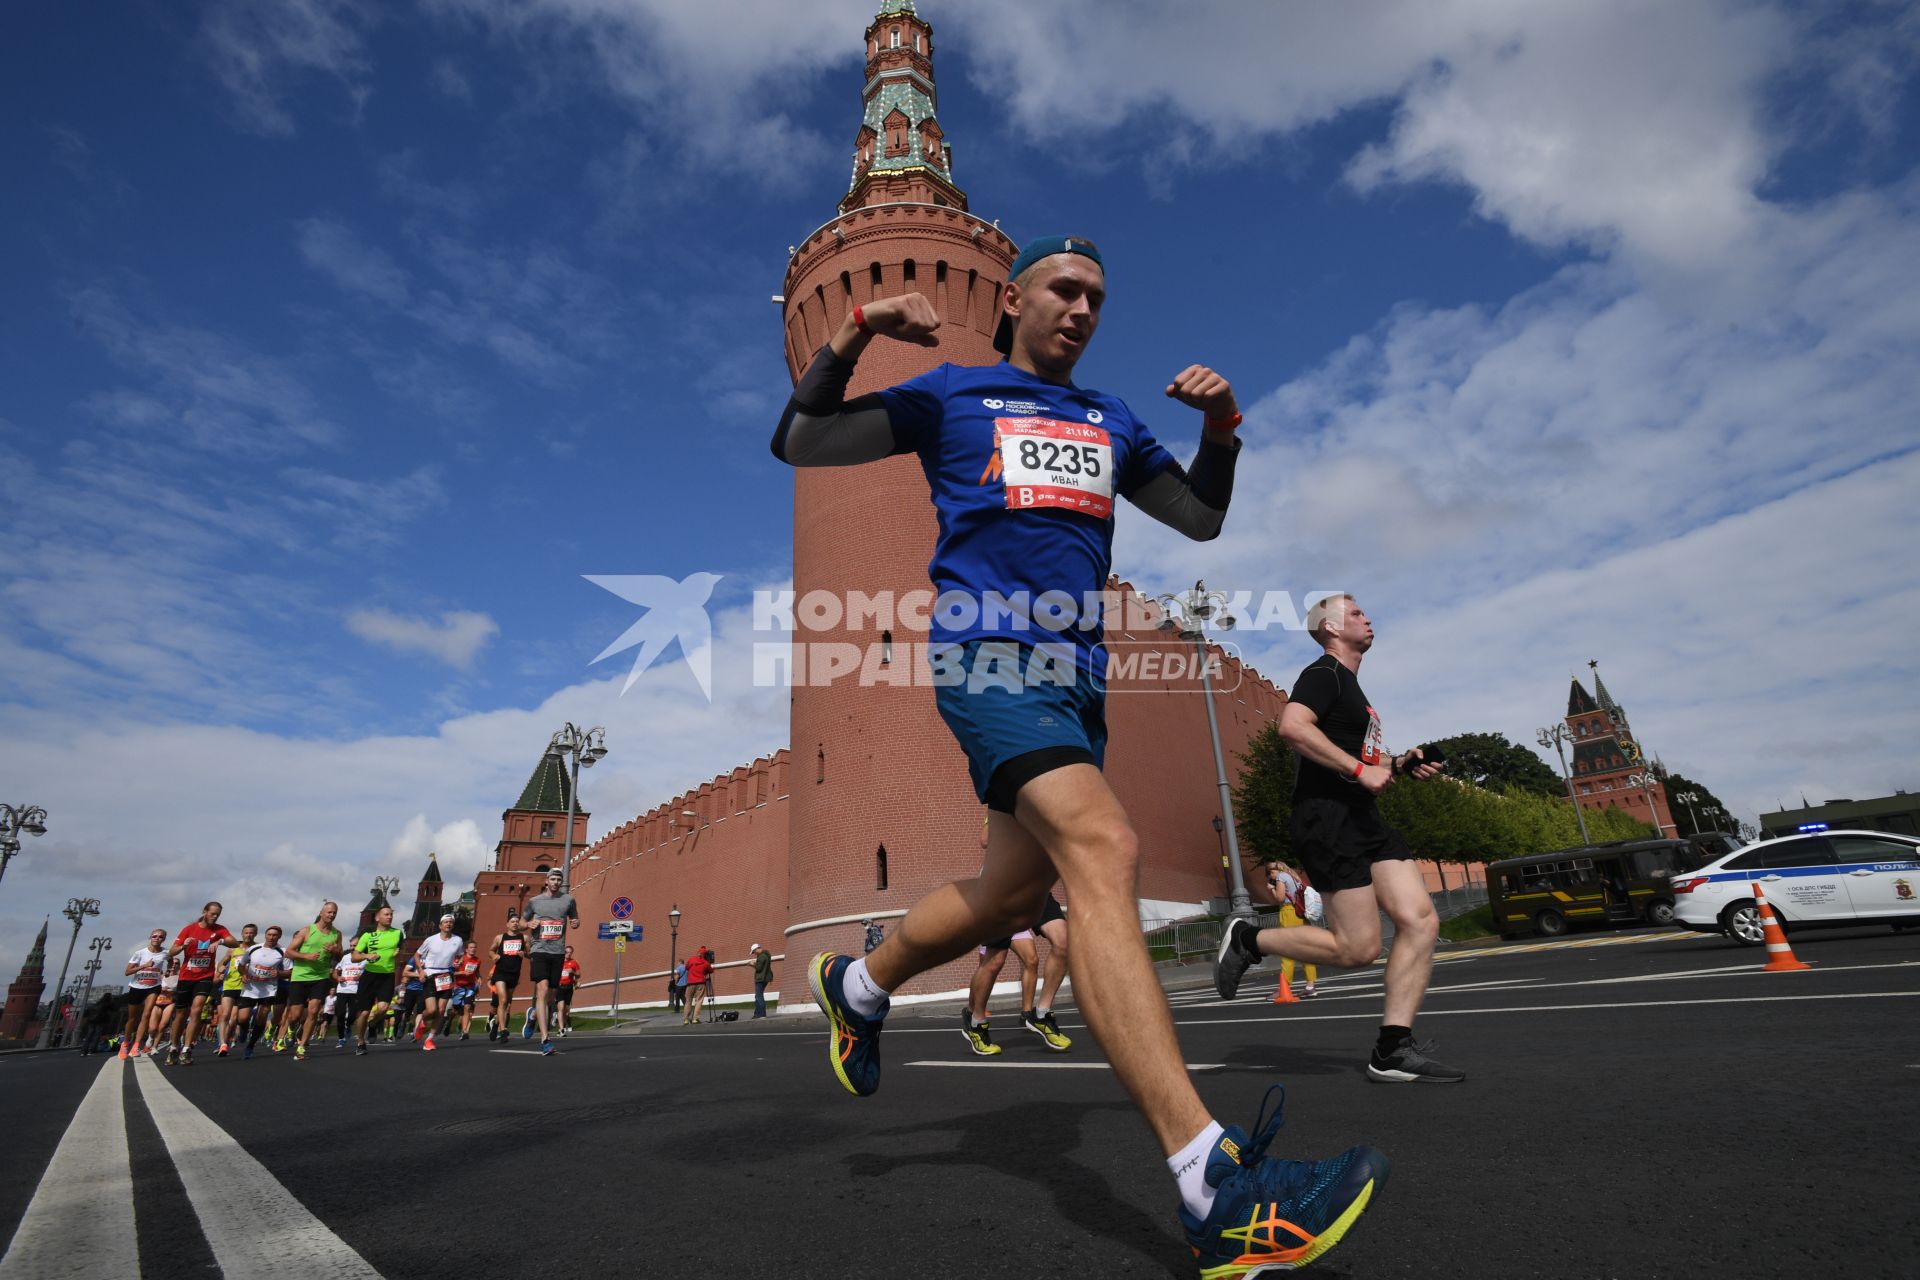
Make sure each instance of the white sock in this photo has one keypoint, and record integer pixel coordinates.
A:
(1042, 1012)
(861, 992)
(1189, 1169)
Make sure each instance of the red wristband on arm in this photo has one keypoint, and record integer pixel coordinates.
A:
(1359, 767)
(860, 321)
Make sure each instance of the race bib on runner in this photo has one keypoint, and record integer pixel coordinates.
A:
(146, 977)
(1066, 466)
(511, 947)
(552, 929)
(348, 988)
(442, 981)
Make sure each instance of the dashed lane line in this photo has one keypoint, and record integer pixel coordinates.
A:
(1553, 1008)
(254, 1225)
(80, 1221)
(1053, 1066)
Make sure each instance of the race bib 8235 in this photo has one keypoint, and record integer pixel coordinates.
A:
(1067, 466)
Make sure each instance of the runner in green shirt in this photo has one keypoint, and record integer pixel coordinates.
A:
(380, 948)
(313, 952)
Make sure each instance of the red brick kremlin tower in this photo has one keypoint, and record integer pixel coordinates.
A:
(1605, 755)
(861, 841)
(23, 997)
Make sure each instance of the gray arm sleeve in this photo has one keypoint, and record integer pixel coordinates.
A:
(1193, 503)
(821, 428)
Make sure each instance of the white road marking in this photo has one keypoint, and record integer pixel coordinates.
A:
(253, 1223)
(1055, 1066)
(80, 1222)
(1554, 1008)
(535, 1053)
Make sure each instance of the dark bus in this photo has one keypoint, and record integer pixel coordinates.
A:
(1623, 883)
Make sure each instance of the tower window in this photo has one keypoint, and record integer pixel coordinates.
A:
(873, 275)
(546, 831)
(896, 37)
(886, 648)
(918, 47)
(880, 868)
(906, 270)
(820, 765)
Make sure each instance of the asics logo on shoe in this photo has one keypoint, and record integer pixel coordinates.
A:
(1228, 1145)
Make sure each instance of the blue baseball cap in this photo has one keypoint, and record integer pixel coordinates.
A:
(1044, 247)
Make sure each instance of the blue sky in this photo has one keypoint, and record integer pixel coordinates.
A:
(345, 338)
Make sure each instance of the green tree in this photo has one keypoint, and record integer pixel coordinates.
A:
(1711, 815)
(1263, 800)
(1489, 760)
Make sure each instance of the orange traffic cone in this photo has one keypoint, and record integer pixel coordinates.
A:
(1780, 956)
(1283, 994)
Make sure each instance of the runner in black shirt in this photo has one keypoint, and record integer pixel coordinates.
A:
(1359, 864)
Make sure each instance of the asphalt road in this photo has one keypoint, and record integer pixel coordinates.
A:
(1637, 1105)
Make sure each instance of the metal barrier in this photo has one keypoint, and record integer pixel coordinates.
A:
(1192, 940)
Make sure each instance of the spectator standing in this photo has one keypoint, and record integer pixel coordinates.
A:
(699, 970)
(762, 975)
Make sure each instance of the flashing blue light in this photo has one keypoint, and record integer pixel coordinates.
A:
(1813, 826)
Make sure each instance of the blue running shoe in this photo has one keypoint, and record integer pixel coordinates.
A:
(1272, 1215)
(546, 1047)
(526, 1028)
(854, 1049)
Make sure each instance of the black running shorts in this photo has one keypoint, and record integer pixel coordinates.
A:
(186, 991)
(375, 988)
(545, 967)
(1338, 841)
(307, 990)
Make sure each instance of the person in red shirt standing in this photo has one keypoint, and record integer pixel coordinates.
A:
(195, 946)
(699, 970)
(563, 993)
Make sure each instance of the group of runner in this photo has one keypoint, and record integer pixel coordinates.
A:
(297, 992)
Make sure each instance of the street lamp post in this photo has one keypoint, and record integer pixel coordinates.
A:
(673, 950)
(1687, 798)
(1555, 736)
(1647, 782)
(1219, 836)
(77, 910)
(1188, 615)
(587, 747)
(15, 818)
(91, 967)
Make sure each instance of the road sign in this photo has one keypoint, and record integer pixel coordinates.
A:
(606, 932)
(620, 928)
(623, 908)
(619, 945)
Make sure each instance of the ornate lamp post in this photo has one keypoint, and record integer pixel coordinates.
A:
(587, 747)
(77, 910)
(90, 968)
(1687, 798)
(1189, 615)
(1647, 782)
(14, 819)
(673, 932)
(1556, 736)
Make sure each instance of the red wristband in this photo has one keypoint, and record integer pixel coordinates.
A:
(1359, 767)
(1224, 424)
(860, 321)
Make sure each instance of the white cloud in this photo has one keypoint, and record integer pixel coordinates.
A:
(155, 816)
(258, 50)
(456, 639)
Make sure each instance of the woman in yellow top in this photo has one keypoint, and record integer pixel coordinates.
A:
(230, 989)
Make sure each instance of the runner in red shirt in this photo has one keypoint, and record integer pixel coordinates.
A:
(195, 946)
(466, 983)
(563, 993)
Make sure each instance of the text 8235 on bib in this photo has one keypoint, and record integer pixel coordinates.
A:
(1065, 466)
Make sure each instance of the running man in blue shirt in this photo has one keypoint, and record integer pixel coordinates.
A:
(1024, 468)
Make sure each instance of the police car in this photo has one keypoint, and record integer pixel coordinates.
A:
(1812, 880)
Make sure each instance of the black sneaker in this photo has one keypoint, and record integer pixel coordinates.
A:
(1232, 962)
(1409, 1064)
